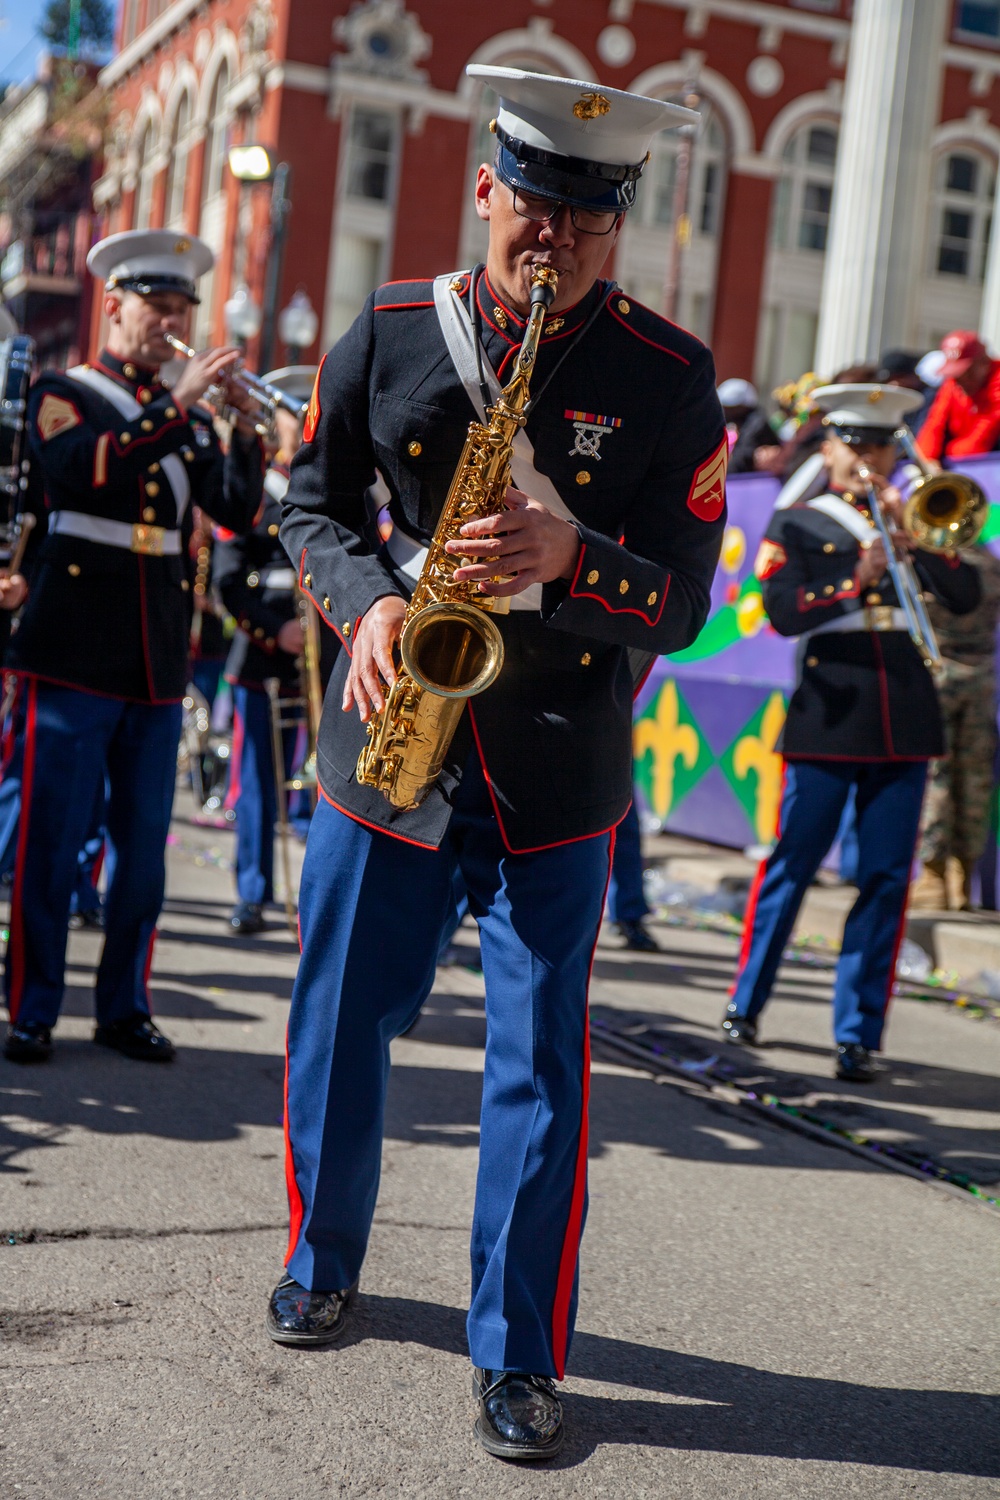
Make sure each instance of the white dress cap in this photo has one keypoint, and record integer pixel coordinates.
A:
(735, 392)
(151, 260)
(571, 117)
(879, 407)
(296, 381)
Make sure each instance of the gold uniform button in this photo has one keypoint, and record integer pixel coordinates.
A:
(810, 598)
(148, 513)
(145, 397)
(253, 579)
(188, 454)
(828, 589)
(346, 628)
(258, 634)
(170, 412)
(812, 661)
(829, 547)
(152, 488)
(146, 425)
(125, 439)
(307, 581)
(414, 449)
(623, 307)
(154, 468)
(73, 570)
(269, 641)
(593, 576)
(651, 599)
(272, 531)
(326, 602)
(848, 583)
(873, 598)
(585, 659)
(623, 586)
(184, 585)
(583, 477)
(129, 371)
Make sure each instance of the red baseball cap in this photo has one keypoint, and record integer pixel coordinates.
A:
(960, 349)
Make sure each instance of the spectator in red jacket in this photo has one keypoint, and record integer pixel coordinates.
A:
(965, 415)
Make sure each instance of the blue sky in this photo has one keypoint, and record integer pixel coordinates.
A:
(19, 41)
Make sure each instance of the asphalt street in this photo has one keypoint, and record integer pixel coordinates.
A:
(761, 1314)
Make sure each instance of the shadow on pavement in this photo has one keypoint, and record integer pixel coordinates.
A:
(747, 1410)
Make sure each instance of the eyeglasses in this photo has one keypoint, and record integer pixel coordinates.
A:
(542, 210)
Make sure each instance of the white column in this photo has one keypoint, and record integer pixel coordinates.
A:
(989, 313)
(881, 190)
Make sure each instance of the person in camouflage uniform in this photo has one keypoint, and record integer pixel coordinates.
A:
(960, 784)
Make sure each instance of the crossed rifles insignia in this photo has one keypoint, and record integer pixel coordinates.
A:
(590, 428)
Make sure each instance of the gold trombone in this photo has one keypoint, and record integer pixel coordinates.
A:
(291, 712)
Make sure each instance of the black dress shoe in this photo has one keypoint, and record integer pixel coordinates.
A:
(520, 1416)
(246, 918)
(137, 1038)
(304, 1319)
(739, 1029)
(855, 1064)
(29, 1043)
(636, 936)
(91, 920)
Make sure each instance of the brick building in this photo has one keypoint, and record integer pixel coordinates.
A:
(369, 106)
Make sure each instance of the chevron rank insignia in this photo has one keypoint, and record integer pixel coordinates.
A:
(707, 494)
(771, 558)
(56, 415)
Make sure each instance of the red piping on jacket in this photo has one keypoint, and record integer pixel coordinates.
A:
(626, 609)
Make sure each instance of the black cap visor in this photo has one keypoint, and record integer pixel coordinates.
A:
(864, 437)
(568, 179)
(149, 286)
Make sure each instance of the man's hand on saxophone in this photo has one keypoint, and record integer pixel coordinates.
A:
(374, 646)
(530, 543)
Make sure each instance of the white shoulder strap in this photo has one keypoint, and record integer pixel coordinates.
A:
(459, 335)
(845, 514)
(172, 466)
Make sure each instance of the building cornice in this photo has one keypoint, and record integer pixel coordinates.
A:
(142, 46)
(751, 13)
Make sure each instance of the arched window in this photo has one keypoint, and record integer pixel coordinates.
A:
(180, 148)
(647, 242)
(212, 217)
(964, 188)
(144, 182)
(801, 217)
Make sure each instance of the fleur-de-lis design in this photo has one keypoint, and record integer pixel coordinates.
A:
(755, 752)
(669, 740)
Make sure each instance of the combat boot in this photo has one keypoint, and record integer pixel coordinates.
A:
(929, 892)
(958, 881)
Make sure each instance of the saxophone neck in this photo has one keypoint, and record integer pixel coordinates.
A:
(514, 396)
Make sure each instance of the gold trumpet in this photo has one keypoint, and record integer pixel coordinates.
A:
(265, 396)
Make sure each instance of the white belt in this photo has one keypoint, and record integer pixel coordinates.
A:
(279, 578)
(148, 541)
(410, 555)
(872, 617)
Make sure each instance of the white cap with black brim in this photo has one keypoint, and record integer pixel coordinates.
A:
(578, 142)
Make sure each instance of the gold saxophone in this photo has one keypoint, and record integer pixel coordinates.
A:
(449, 647)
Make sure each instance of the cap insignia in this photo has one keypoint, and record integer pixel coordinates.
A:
(554, 325)
(591, 106)
(874, 396)
(182, 247)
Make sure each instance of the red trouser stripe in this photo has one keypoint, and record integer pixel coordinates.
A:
(571, 1240)
(294, 1196)
(15, 951)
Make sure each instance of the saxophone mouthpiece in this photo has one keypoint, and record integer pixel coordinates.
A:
(543, 285)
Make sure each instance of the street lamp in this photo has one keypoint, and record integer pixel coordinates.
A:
(242, 316)
(298, 325)
(256, 164)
